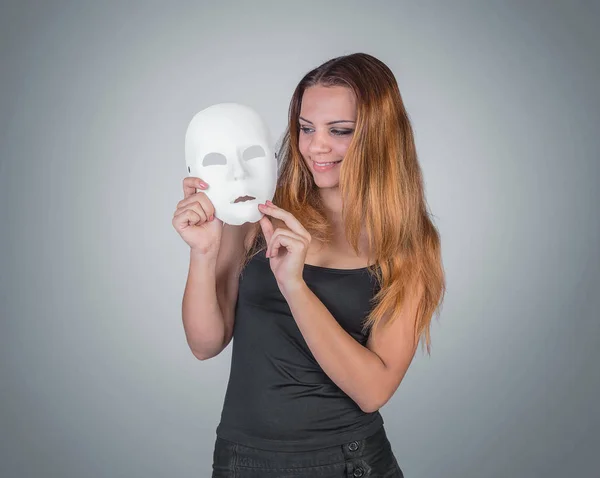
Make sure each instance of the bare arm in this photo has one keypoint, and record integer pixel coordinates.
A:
(202, 319)
(210, 295)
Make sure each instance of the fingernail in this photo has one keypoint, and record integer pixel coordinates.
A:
(212, 216)
(269, 203)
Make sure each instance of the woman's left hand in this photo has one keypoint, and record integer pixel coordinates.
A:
(286, 248)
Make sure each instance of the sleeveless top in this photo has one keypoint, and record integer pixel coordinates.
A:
(278, 397)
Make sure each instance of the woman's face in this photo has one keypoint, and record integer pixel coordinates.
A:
(327, 122)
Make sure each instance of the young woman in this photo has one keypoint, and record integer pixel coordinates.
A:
(329, 294)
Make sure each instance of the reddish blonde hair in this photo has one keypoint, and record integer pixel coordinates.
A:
(382, 191)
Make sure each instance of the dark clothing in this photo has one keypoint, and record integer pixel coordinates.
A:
(281, 410)
(370, 457)
(278, 397)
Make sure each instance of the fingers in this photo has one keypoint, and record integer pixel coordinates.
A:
(198, 201)
(287, 218)
(190, 184)
(267, 229)
(188, 217)
(286, 238)
(195, 207)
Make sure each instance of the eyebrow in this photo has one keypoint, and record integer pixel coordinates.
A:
(331, 122)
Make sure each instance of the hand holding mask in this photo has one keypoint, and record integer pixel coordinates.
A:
(194, 219)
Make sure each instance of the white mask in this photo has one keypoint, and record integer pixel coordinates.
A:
(228, 145)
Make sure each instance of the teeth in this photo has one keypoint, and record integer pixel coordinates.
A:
(326, 164)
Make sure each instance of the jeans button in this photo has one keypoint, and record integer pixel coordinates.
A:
(358, 472)
(353, 447)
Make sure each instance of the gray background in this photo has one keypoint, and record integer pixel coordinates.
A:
(96, 377)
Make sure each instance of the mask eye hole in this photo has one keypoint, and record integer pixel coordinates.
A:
(214, 158)
(252, 152)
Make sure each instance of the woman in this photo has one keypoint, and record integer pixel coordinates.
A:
(327, 295)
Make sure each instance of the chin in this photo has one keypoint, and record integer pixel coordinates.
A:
(326, 184)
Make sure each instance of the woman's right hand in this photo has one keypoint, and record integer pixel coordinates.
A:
(192, 218)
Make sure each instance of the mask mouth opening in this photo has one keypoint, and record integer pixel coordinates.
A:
(243, 199)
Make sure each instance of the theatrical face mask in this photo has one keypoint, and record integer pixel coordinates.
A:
(228, 145)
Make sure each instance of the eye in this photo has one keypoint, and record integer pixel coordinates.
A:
(252, 152)
(214, 158)
(305, 129)
(342, 132)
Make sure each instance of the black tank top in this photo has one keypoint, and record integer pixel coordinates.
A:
(278, 397)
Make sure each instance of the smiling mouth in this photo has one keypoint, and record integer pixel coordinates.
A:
(244, 199)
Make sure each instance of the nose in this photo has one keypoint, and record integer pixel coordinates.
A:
(319, 143)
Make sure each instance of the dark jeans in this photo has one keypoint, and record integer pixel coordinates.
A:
(371, 457)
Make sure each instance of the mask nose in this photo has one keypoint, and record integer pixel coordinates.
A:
(237, 172)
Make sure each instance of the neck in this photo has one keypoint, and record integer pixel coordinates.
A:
(332, 202)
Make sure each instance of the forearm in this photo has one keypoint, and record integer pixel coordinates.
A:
(355, 369)
(202, 317)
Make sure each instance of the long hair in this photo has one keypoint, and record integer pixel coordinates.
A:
(381, 187)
